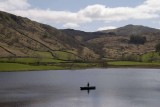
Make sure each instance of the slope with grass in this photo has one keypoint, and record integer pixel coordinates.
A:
(21, 37)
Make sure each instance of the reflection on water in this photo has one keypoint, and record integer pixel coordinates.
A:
(114, 88)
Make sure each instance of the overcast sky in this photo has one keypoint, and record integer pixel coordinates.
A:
(87, 15)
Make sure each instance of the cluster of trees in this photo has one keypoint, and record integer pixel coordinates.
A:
(158, 48)
(149, 57)
(135, 39)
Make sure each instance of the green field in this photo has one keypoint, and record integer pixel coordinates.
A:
(130, 63)
(64, 55)
(42, 54)
(57, 66)
(30, 64)
(23, 67)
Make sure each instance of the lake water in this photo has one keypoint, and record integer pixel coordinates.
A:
(114, 88)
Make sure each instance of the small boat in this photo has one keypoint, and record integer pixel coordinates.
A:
(88, 88)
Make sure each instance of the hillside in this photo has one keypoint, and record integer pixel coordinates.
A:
(117, 44)
(133, 30)
(21, 37)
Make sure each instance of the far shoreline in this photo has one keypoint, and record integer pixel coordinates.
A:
(15, 67)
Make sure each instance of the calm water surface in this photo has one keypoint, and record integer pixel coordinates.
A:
(115, 88)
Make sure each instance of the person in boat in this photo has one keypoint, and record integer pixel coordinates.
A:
(88, 88)
(88, 84)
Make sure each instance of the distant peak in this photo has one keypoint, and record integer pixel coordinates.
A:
(130, 25)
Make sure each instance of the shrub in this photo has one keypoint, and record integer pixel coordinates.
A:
(137, 39)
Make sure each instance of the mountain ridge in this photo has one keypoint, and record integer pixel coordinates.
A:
(130, 30)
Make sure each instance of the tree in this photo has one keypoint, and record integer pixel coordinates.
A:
(158, 48)
(11, 59)
(135, 39)
(38, 59)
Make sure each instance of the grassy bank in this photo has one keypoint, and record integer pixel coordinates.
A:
(134, 64)
(30, 64)
(24, 67)
(56, 66)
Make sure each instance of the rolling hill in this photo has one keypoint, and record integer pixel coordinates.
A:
(22, 37)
